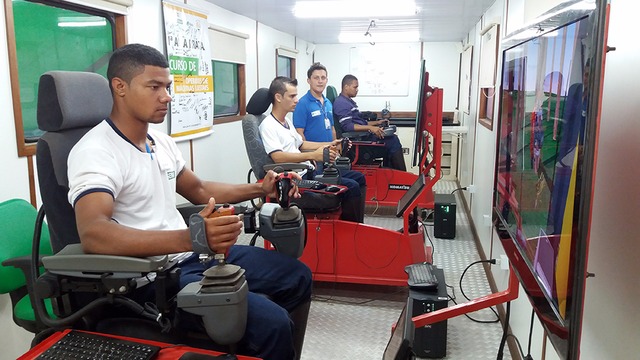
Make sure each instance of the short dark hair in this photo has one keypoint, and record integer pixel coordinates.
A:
(128, 61)
(348, 79)
(314, 67)
(279, 86)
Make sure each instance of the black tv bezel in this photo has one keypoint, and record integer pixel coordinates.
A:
(564, 333)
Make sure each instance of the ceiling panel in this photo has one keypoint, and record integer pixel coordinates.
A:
(438, 20)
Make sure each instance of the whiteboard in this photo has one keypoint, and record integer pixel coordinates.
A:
(382, 69)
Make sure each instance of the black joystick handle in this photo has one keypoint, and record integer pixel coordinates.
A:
(344, 146)
(283, 186)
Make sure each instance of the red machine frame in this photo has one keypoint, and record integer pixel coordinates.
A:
(343, 251)
(386, 186)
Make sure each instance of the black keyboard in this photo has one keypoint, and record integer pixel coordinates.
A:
(311, 184)
(421, 276)
(80, 345)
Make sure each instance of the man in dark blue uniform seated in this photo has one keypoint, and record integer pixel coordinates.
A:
(350, 118)
(284, 144)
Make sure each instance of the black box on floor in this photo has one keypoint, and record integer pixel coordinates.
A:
(444, 216)
(430, 341)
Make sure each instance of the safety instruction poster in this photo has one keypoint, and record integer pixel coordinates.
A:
(186, 35)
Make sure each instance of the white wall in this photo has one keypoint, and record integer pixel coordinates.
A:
(611, 319)
(442, 62)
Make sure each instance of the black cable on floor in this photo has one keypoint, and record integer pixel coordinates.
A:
(468, 299)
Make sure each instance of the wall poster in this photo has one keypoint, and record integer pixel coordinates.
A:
(186, 36)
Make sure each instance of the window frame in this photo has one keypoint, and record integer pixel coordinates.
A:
(242, 97)
(285, 53)
(120, 38)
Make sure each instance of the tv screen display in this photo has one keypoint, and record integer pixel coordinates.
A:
(424, 92)
(550, 91)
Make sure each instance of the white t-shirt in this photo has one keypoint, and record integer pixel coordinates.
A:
(277, 137)
(143, 184)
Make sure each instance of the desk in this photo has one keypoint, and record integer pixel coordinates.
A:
(168, 352)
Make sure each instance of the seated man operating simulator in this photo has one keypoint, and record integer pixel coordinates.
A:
(123, 176)
(346, 112)
(284, 144)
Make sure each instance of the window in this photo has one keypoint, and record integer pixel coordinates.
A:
(229, 85)
(52, 36)
(286, 62)
(226, 92)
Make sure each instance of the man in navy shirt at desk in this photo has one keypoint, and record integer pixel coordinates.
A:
(348, 115)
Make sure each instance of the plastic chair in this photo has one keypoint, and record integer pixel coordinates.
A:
(17, 221)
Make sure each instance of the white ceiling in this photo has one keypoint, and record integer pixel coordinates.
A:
(437, 20)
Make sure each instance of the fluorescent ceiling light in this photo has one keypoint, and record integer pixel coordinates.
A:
(89, 21)
(354, 8)
(379, 37)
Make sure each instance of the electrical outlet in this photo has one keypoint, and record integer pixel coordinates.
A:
(504, 262)
(471, 189)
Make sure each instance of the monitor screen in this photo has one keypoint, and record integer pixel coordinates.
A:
(399, 345)
(546, 137)
(424, 92)
(410, 195)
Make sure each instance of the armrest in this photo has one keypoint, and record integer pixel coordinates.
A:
(73, 261)
(287, 166)
(355, 134)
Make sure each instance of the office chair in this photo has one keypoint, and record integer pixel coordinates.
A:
(332, 93)
(69, 105)
(17, 221)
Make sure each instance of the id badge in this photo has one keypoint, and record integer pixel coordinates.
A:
(327, 123)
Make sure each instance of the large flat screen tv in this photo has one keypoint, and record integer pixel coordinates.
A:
(546, 143)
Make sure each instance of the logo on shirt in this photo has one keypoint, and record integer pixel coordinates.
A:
(316, 113)
(171, 175)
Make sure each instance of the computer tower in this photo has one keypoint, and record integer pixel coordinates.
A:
(444, 216)
(430, 341)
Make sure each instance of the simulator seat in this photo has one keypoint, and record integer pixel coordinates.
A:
(363, 152)
(86, 290)
(319, 202)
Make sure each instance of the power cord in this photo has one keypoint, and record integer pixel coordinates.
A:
(505, 330)
(458, 189)
(528, 356)
(425, 234)
(492, 261)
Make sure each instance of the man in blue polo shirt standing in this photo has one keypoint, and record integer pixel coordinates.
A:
(313, 120)
(313, 117)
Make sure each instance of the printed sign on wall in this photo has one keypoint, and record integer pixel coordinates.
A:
(186, 36)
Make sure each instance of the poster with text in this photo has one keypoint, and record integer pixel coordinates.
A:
(186, 35)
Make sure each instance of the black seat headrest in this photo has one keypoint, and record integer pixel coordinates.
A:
(72, 99)
(259, 102)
